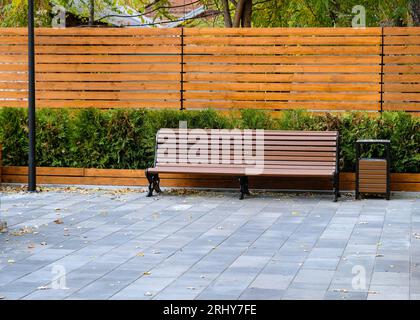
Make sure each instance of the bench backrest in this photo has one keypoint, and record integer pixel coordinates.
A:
(229, 148)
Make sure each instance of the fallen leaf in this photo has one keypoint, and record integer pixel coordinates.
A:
(147, 273)
(340, 290)
(43, 288)
(22, 231)
(58, 221)
(3, 227)
(140, 254)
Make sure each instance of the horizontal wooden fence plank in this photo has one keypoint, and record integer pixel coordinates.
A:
(293, 87)
(269, 50)
(278, 105)
(285, 78)
(93, 32)
(281, 31)
(279, 40)
(100, 104)
(284, 59)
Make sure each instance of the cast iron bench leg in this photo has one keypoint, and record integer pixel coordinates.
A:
(243, 181)
(154, 183)
(150, 180)
(246, 187)
(336, 187)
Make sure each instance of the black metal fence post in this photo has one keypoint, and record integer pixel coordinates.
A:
(382, 70)
(182, 70)
(31, 98)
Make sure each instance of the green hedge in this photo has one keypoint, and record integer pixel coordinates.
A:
(93, 138)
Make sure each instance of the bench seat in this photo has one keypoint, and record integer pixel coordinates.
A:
(232, 171)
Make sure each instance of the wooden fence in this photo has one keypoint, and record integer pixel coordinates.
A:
(269, 68)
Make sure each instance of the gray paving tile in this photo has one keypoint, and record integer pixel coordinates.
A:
(262, 294)
(303, 294)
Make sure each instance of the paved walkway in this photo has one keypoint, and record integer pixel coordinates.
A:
(122, 245)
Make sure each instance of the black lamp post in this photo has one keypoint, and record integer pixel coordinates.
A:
(31, 98)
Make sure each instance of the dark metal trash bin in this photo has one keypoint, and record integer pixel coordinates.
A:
(373, 174)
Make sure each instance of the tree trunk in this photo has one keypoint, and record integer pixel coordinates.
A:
(92, 13)
(238, 13)
(415, 12)
(226, 14)
(247, 14)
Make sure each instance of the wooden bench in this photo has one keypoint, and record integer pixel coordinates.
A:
(230, 152)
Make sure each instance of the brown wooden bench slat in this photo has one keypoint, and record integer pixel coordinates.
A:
(174, 143)
(266, 132)
(243, 171)
(267, 160)
(268, 153)
(273, 164)
(284, 154)
(194, 138)
(163, 165)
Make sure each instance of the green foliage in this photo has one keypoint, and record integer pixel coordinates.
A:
(14, 136)
(256, 119)
(89, 139)
(125, 139)
(14, 13)
(330, 13)
(53, 130)
(322, 13)
(266, 13)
